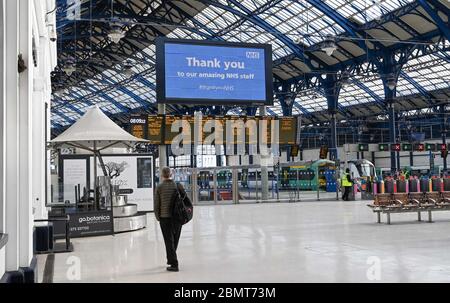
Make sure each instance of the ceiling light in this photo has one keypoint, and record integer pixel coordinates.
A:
(297, 39)
(52, 33)
(391, 82)
(69, 68)
(116, 33)
(329, 45)
(128, 68)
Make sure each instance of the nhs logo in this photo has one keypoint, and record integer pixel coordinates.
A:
(252, 55)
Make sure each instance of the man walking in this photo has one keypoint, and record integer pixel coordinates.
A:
(346, 183)
(163, 206)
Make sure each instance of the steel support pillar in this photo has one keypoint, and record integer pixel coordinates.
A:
(389, 69)
(332, 88)
(392, 134)
(26, 116)
(444, 128)
(11, 133)
(264, 169)
(333, 139)
(162, 148)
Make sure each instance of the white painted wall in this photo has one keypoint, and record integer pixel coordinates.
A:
(2, 136)
(2, 261)
(22, 124)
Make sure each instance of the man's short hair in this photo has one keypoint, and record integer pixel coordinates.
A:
(166, 173)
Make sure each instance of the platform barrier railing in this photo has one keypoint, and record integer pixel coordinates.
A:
(243, 184)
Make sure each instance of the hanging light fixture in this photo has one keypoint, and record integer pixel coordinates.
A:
(69, 68)
(116, 33)
(391, 82)
(128, 68)
(329, 45)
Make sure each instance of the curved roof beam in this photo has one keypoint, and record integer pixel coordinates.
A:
(264, 25)
(444, 28)
(347, 25)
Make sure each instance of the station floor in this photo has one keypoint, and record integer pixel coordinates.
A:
(325, 241)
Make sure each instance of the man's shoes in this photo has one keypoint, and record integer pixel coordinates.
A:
(172, 268)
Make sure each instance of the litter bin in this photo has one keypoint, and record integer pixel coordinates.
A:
(43, 237)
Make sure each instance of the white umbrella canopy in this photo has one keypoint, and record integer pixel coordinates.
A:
(95, 130)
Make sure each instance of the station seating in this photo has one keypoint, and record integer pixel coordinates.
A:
(388, 203)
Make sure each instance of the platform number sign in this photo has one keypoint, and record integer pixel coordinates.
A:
(363, 147)
(430, 147)
(383, 147)
(419, 147)
(396, 147)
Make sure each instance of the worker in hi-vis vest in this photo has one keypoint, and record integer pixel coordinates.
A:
(346, 183)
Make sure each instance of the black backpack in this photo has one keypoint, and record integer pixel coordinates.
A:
(183, 209)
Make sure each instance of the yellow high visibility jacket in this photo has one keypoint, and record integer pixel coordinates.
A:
(344, 180)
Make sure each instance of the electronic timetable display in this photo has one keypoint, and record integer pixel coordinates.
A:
(213, 72)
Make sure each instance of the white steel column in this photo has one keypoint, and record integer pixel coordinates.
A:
(162, 148)
(38, 151)
(25, 135)
(38, 157)
(2, 111)
(2, 130)
(263, 163)
(11, 159)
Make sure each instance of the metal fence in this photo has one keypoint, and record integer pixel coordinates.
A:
(246, 184)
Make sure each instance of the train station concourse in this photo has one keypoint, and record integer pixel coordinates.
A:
(224, 141)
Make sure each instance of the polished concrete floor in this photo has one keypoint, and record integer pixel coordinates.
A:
(273, 242)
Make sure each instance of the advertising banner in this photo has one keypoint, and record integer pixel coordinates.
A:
(134, 173)
(86, 224)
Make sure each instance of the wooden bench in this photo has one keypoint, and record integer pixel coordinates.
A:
(410, 202)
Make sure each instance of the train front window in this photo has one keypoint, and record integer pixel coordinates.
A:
(365, 170)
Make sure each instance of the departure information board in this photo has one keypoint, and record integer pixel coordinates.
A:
(155, 129)
(168, 134)
(268, 138)
(158, 128)
(251, 134)
(138, 126)
(207, 119)
(234, 121)
(288, 130)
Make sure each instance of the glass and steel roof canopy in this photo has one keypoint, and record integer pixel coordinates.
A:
(292, 27)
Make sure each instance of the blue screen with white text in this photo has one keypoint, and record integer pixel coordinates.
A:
(214, 72)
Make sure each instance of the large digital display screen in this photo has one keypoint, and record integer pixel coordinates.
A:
(212, 72)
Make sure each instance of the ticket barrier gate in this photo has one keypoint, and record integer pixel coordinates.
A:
(447, 184)
(241, 184)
